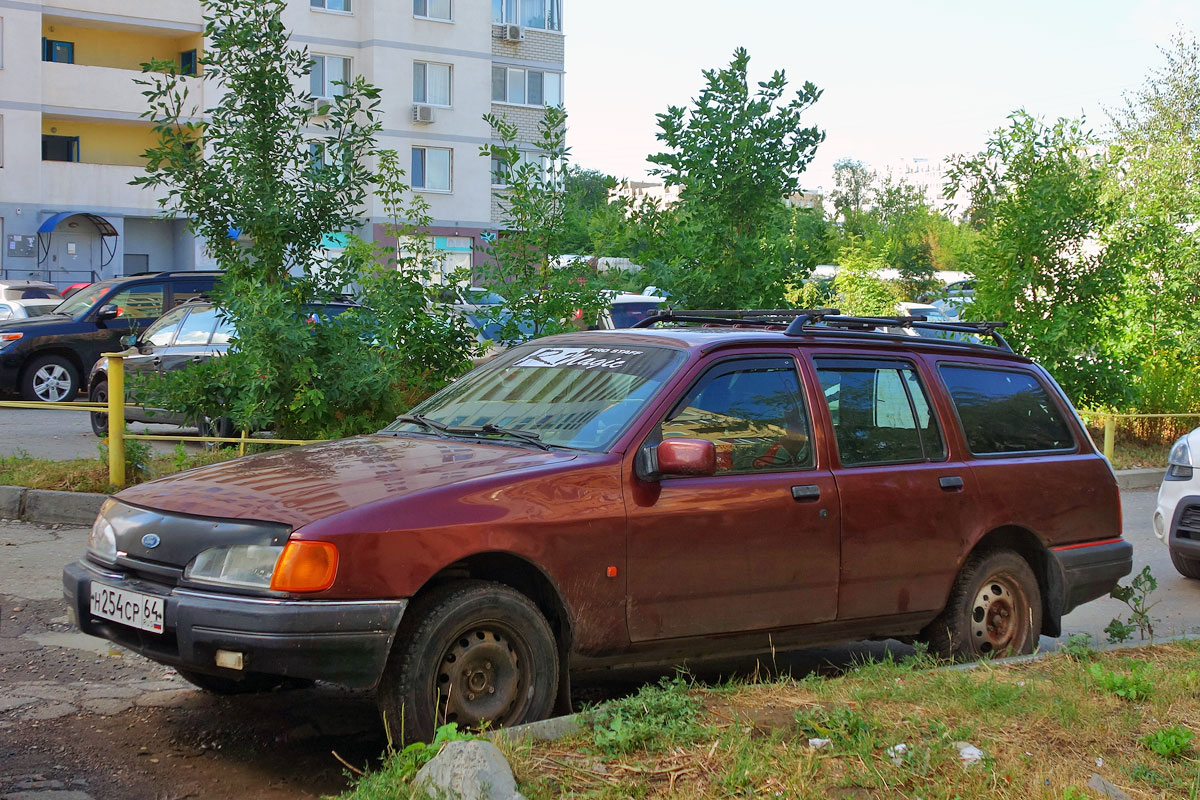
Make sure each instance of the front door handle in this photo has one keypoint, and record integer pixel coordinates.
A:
(156, 361)
(807, 493)
(951, 483)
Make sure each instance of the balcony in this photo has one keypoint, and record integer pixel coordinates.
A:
(172, 13)
(77, 89)
(67, 185)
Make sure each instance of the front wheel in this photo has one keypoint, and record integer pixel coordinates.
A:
(99, 394)
(476, 653)
(1187, 567)
(50, 379)
(994, 609)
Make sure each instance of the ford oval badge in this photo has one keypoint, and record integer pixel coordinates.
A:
(151, 540)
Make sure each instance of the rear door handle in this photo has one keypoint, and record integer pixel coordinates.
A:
(951, 483)
(806, 493)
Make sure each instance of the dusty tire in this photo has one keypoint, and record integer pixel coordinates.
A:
(1187, 567)
(994, 609)
(50, 379)
(472, 652)
(99, 394)
(220, 427)
(254, 683)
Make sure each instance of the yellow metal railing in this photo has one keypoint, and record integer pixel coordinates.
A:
(1108, 422)
(115, 408)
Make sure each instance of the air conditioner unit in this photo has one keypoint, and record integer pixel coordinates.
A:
(422, 113)
(514, 33)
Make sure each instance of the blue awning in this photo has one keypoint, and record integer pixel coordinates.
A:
(102, 225)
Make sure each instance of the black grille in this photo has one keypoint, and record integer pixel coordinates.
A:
(1189, 523)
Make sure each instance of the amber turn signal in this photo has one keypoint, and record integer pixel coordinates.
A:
(305, 567)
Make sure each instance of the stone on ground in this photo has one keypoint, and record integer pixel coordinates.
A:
(469, 770)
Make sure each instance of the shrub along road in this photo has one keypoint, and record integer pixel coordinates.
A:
(80, 716)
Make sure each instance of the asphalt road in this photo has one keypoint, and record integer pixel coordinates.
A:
(61, 435)
(81, 719)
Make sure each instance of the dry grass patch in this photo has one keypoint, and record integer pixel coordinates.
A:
(91, 474)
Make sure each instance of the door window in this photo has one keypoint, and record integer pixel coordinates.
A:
(752, 411)
(144, 301)
(1005, 411)
(162, 332)
(198, 327)
(880, 412)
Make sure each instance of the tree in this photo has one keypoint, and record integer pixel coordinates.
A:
(858, 287)
(1037, 194)
(587, 197)
(265, 182)
(852, 181)
(1156, 321)
(543, 296)
(736, 155)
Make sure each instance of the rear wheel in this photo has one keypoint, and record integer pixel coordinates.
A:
(1187, 567)
(50, 379)
(994, 609)
(254, 683)
(99, 394)
(475, 653)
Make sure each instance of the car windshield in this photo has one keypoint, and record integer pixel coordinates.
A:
(84, 299)
(37, 293)
(36, 310)
(624, 315)
(573, 395)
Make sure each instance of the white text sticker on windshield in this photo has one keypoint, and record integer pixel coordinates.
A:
(581, 357)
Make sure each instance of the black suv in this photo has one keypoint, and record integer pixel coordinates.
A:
(46, 358)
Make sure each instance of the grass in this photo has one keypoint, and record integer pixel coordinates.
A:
(91, 474)
(1137, 455)
(1042, 730)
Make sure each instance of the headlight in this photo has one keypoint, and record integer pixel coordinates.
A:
(102, 541)
(1180, 461)
(246, 565)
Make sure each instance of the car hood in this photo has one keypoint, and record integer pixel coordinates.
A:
(303, 484)
(35, 325)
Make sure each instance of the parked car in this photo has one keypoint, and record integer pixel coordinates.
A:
(75, 287)
(187, 334)
(47, 357)
(609, 498)
(626, 309)
(24, 309)
(1177, 517)
(29, 290)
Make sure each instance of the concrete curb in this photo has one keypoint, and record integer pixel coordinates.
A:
(1149, 478)
(48, 506)
(1041, 654)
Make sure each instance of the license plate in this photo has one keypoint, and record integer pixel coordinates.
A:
(137, 610)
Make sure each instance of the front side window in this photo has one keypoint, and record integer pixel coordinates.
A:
(331, 5)
(541, 14)
(880, 412)
(1005, 411)
(752, 412)
(432, 9)
(575, 396)
(526, 87)
(329, 76)
(162, 331)
(431, 168)
(144, 301)
(198, 327)
(431, 83)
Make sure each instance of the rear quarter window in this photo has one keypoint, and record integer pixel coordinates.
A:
(1005, 411)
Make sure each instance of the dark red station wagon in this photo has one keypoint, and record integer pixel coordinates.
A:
(711, 483)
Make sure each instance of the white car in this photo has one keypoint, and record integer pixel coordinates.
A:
(24, 309)
(625, 309)
(1177, 518)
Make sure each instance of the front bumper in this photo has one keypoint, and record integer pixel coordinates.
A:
(1091, 569)
(345, 642)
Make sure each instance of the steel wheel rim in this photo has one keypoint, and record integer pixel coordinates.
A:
(101, 396)
(999, 616)
(51, 382)
(482, 677)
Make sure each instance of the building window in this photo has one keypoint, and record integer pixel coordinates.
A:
(331, 5)
(500, 168)
(526, 87)
(542, 14)
(432, 9)
(1, 42)
(431, 168)
(60, 148)
(60, 52)
(431, 83)
(328, 76)
(187, 62)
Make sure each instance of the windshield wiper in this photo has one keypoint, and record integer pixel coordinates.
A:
(425, 422)
(495, 430)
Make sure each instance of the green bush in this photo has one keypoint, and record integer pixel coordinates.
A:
(1172, 742)
(657, 717)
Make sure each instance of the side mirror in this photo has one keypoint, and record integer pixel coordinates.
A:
(680, 457)
(107, 311)
(129, 340)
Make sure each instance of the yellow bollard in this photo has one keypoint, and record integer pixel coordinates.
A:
(116, 419)
(1110, 436)
(242, 445)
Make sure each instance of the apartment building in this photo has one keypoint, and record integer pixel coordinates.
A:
(71, 135)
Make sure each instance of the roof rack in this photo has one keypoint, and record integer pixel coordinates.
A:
(831, 322)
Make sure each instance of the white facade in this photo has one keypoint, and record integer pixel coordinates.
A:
(71, 136)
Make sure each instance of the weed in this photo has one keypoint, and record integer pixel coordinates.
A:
(1075, 793)
(846, 727)
(1132, 686)
(179, 457)
(138, 459)
(1079, 646)
(656, 717)
(1136, 595)
(1154, 777)
(399, 768)
(1172, 742)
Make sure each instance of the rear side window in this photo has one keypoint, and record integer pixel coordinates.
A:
(1005, 411)
(880, 412)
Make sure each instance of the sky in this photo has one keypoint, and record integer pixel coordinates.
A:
(923, 78)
